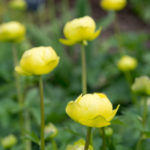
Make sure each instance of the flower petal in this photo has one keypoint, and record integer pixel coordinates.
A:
(98, 122)
(67, 42)
(96, 34)
(20, 71)
(113, 113)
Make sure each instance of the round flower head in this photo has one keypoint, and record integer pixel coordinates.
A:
(12, 32)
(79, 145)
(127, 63)
(18, 4)
(38, 61)
(80, 30)
(141, 85)
(113, 4)
(50, 131)
(92, 110)
(9, 141)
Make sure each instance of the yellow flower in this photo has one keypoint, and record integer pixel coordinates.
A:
(18, 4)
(127, 63)
(92, 110)
(141, 85)
(50, 131)
(8, 141)
(80, 30)
(12, 32)
(38, 61)
(79, 145)
(113, 4)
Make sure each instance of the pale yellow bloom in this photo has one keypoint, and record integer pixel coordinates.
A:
(38, 61)
(18, 4)
(113, 4)
(12, 32)
(127, 63)
(141, 85)
(9, 141)
(80, 30)
(79, 145)
(50, 131)
(92, 110)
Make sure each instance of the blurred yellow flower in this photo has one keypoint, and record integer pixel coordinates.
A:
(18, 4)
(50, 131)
(113, 4)
(12, 32)
(79, 145)
(80, 30)
(37, 61)
(8, 141)
(127, 63)
(141, 85)
(92, 110)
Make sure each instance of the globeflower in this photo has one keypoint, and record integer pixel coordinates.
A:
(92, 110)
(141, 85)
(9, 141)
(12, 32)
(115, 5)
(37, 61)
(127, 63)
(80, 30)
(18, 4)
(50, 131)
(79, 145)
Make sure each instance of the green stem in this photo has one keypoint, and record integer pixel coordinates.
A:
(139, 143)
(18, 89)
(28, 145)
(53, 9)
(117, 33)
(88, 138)
(54, 145)
(84, 75)
(84, 91)
(129, 80)
(144, 111)
(42, 113)
(104, 139)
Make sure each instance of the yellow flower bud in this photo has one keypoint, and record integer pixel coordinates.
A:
(12, 32)
(141, 85)
(50, 131)
(79, 31)
(113, 4)
(18, 4)
(37, 61)
(92, 110)
(9, 141)
(127, 63)
(79, 145)
(108, 131)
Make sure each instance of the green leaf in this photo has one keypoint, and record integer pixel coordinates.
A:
(32, 137)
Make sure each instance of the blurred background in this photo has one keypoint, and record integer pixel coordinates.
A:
(44, 21)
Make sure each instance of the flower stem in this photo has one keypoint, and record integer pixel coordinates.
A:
(84, 91)
(42, 113)
(18, 89)
(104, 139)
(117, 33)
(144, 111)
(129, 80)
(84, 75)
(53, 9)
(54, 145)
(28, 145)
(88, 138)
(139, 143)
